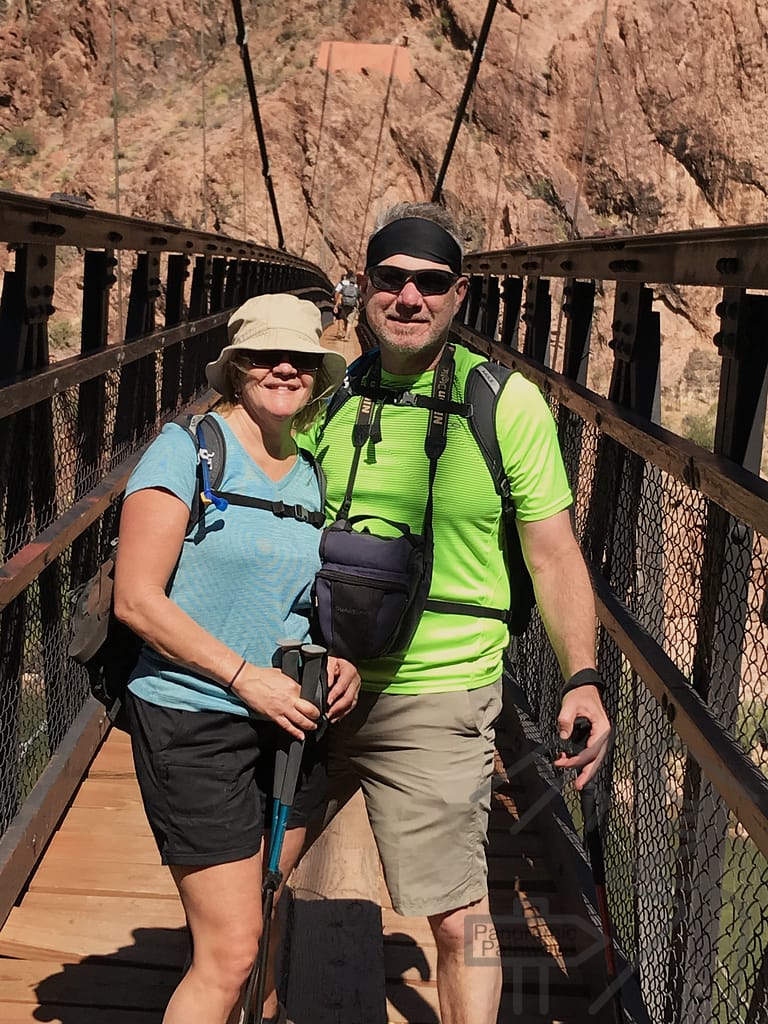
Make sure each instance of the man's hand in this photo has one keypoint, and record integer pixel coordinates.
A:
(584, 702)
(343, 687)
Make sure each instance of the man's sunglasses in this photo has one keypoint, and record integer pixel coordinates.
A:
(429, 282)
(304, 362)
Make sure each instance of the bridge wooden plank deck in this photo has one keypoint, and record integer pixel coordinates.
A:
(99, 933)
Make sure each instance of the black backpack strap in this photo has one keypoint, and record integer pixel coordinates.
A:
(322, 483)
(277, 508)
(482, 379)
(481, 393)
(355, 373)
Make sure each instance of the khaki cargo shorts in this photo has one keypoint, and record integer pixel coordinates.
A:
(424, 763)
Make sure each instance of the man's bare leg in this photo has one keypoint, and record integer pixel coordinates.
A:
(469, 993)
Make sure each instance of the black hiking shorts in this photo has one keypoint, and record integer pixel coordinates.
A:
(206, 780)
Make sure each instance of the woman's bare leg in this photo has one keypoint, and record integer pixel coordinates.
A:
(223, 908)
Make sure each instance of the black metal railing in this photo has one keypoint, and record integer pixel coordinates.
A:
(676, 536)
(71, 430)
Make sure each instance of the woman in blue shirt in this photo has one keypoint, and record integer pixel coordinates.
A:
(205, 705)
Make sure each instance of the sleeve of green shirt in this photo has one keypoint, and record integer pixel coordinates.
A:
(530, 451)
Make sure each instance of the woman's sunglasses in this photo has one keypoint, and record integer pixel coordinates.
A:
(304, 362)
(429, 282)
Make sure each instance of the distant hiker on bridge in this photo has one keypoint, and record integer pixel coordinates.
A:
(346, 302)
(420, 742)
(211, 600)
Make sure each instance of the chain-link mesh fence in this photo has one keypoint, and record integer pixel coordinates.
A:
(687, 887)
(54, 463)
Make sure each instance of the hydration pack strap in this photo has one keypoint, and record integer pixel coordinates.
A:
(277, 508)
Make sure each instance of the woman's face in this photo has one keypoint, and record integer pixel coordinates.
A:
(277, 384)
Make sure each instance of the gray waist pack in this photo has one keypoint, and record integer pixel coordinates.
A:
(371, 590)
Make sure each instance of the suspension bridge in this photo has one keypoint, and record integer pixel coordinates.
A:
(674, 533)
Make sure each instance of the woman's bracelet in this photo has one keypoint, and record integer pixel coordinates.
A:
(228, 686)
(585, 677)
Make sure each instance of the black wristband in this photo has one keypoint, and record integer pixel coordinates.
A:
(228, 686)
(585, 677)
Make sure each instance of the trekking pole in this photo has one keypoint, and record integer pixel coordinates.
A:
(578, 740)
(315, 671)
(287, 766)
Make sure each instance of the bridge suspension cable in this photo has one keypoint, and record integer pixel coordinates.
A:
(588, 123)
(461, 109)
(116, 154)
(317, 151)
(242, 42)
(573, 230)
(376, 156)
(203, 69)
(504, 156)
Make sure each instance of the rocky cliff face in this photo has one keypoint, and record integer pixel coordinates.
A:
(668, 137)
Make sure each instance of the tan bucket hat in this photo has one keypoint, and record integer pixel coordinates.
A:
(282, 322)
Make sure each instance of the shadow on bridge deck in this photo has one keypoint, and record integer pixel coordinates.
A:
(99, 933)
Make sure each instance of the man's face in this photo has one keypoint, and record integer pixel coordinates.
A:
(406, 321)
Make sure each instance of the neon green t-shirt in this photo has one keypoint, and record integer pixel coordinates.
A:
(448, 652)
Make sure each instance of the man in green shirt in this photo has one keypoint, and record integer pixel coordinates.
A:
(420, 742)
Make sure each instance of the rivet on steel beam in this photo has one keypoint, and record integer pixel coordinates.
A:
(566, 265)
(115, 236)
(720, 309)
(727, 265)
(158, 240)
(34, 291)
(530, 265)
(624, 266)
(567, 308)
(624, 297)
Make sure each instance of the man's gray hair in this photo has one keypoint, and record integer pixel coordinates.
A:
(427, 211)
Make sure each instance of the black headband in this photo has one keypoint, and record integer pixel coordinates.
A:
(414, 236)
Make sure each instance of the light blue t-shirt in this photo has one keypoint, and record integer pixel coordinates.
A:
(244, 574)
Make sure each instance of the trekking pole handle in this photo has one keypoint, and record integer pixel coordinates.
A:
(290, 655)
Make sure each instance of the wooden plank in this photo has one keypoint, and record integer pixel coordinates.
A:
(335, 968)
(103, 846)
(109, 794)
(92, 821)
(102, 877)
(94, 984)
(24, 841)
(70, 927)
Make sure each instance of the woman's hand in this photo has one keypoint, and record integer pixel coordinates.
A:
(343, 687)
(277, 697)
